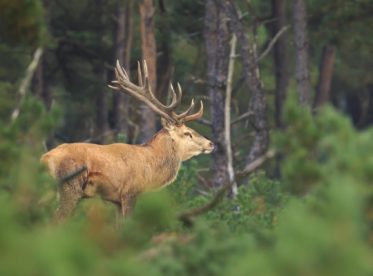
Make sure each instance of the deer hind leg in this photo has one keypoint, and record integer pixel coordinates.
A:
(73, 179)
(70, 193)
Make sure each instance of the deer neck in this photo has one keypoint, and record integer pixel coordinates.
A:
(164, 158)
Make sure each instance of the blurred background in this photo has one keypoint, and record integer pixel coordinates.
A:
(292, 77)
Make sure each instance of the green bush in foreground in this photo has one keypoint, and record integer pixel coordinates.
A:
(315, 221)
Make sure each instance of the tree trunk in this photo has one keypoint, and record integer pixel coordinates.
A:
(281, 64)
(257, 103)
(102, 123)
(280, 60)
(123, 43)
(302, 74)
(164, 55)
(148, 47)
(41, 81)
(40, 85)
(325, 76)
(217, 47)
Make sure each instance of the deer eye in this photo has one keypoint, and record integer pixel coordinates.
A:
(188, 134)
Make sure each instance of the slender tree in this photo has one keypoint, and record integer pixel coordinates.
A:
(102, 123)
(164, 65)
(251, 71)
(216, 37)
(149, 53)
(227, 117)
(122, 52)
(41, 80)
(325, 76)
(281, 62)
(302, 74)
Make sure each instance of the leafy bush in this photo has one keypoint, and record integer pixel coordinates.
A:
(316, 220)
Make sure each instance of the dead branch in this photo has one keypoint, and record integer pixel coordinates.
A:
(242, 117)
(272, 42)
(227, 116)
(255, 164)
(187, 216)
(26, 81)
(204, 122)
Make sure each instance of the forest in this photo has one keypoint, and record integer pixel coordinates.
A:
(287, 92)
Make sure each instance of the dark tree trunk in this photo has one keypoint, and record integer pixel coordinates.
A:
(302, 74)
(217, 47)
(280, 60)
(41, 81)
(40, 85)
(102, 123)
(281, 64)
(123, 43)
(148, 46)
(164, 55)
(325, 76)
(38, 80)
(251, 72)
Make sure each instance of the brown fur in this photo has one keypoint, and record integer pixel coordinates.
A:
(119, 172)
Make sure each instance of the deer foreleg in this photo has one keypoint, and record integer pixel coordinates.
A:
(127, 203)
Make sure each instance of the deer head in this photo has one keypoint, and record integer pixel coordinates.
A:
(189, 143)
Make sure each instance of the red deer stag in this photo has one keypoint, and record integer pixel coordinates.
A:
(120, 172)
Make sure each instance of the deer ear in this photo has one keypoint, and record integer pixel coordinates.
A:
(166, 124)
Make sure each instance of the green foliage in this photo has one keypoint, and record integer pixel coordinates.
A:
(22, 21)
(266, 230)
(315, 220)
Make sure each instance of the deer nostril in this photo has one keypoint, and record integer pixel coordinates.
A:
(211, 144)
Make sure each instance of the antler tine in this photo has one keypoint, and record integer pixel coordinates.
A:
(123, 82)
(148, 90)
(141, 92)
(176, 97)
(181, 116)
(122, 72)
(146, 84)
(144, 93)
(196, 115)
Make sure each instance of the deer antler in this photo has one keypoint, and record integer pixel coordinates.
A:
(143, 92)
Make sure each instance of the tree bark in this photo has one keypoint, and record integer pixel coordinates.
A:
(325, 76)
(41, 85)
(302, 74)
(257, 103)
(41, 81)
(123, 43)
(102, 123)
(217, 48)
(280, 60)
(148, 47)
(165, 54)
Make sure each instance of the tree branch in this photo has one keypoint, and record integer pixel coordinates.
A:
(242, 117)
(187, 216)
(255, 164)
(272, 42)
(26, 81)
(204, 122)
